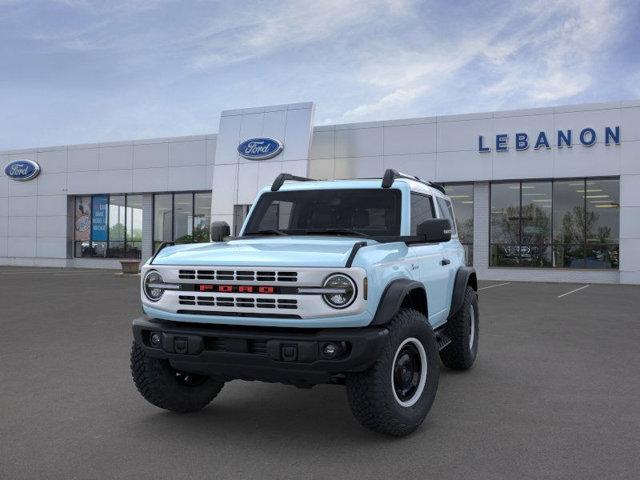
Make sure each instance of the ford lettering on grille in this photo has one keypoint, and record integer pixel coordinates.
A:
(236, 288)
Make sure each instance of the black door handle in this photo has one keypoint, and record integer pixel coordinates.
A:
(445, 261)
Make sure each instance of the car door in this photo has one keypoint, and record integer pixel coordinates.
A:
(427, 266)
(452, 250)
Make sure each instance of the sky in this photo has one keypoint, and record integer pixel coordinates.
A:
(80, 71)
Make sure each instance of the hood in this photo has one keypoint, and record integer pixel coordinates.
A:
(290, 251)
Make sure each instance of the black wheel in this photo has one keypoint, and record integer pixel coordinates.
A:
(462, 329)
(394, 396)
(165, 387)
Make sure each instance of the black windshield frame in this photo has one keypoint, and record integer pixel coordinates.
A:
(365, 212)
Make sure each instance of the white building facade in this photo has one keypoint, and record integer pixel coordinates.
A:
(549, 194)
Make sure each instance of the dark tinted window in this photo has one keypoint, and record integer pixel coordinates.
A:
(421, 210)
(370, 211)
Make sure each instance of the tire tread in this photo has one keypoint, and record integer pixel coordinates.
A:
(456, 355)
(152, 378)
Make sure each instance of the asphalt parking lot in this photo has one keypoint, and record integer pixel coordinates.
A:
(554, 394)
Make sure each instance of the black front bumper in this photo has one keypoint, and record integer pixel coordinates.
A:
(284, 355)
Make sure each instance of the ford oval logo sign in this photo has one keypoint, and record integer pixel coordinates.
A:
(260, 148)
(22, 170)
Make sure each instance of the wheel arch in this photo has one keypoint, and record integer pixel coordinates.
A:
(465, 276)
(400, 293)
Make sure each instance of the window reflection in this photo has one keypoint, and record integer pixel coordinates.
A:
(505, 224)
(564, 224)
(182, 217)
(108, 226)
(134, 226)
(535, 243)
(117, 218)
(201, 217)
(461, 195)
(162, 219)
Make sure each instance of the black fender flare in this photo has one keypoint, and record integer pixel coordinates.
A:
(464, 276)
(393, 296)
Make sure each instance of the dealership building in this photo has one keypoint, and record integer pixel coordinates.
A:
(547, 194)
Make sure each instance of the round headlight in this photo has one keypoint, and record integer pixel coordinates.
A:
(343, 291)
(149, 285)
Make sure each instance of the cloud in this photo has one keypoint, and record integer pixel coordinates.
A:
(91, 70)
(555, 63)
(262, 31)
(541, 53)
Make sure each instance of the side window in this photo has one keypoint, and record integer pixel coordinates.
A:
(447, 211)
(421, 210)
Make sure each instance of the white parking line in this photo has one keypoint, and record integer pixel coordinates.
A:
(494, 285)
(573, 291)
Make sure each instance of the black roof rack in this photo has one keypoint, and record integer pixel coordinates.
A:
(390, 175)
(283, 177)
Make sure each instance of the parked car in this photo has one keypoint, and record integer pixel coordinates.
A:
(359, 283)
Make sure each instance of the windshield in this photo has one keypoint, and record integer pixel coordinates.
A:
(359, 212)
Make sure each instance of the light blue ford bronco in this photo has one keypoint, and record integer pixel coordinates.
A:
(359, 283)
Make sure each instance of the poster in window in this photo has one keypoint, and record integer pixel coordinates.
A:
(99, 218)
(83, 219)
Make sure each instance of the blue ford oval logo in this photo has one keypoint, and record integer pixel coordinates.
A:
(260, 148)
(22, 170)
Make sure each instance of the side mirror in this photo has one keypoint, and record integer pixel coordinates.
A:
(435, 230)
(219, 231)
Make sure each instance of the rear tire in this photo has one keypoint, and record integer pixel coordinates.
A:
(462, 329)
(394, 396)
(163, 386)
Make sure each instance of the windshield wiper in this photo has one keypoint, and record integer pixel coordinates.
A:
(268, 232)
(337, 231)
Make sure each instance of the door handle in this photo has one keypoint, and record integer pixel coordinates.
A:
(445, 261)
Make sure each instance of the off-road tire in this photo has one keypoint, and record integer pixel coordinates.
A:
(157, 382)
(459, 354)
(371, 393)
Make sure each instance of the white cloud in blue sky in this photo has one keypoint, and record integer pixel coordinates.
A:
(76, 71)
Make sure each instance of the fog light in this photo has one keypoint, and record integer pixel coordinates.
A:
(156, 339)
(330, 350)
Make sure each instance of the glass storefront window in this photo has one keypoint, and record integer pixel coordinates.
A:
(563, 224)
(603, 223)
(82, 226)
(117, 220)
(535, 241)
(505, 224)
(201, 216)
(134, 226)
(181, 217)
(162, 219)
(461, 195)
(108, 226)
(568, 223)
